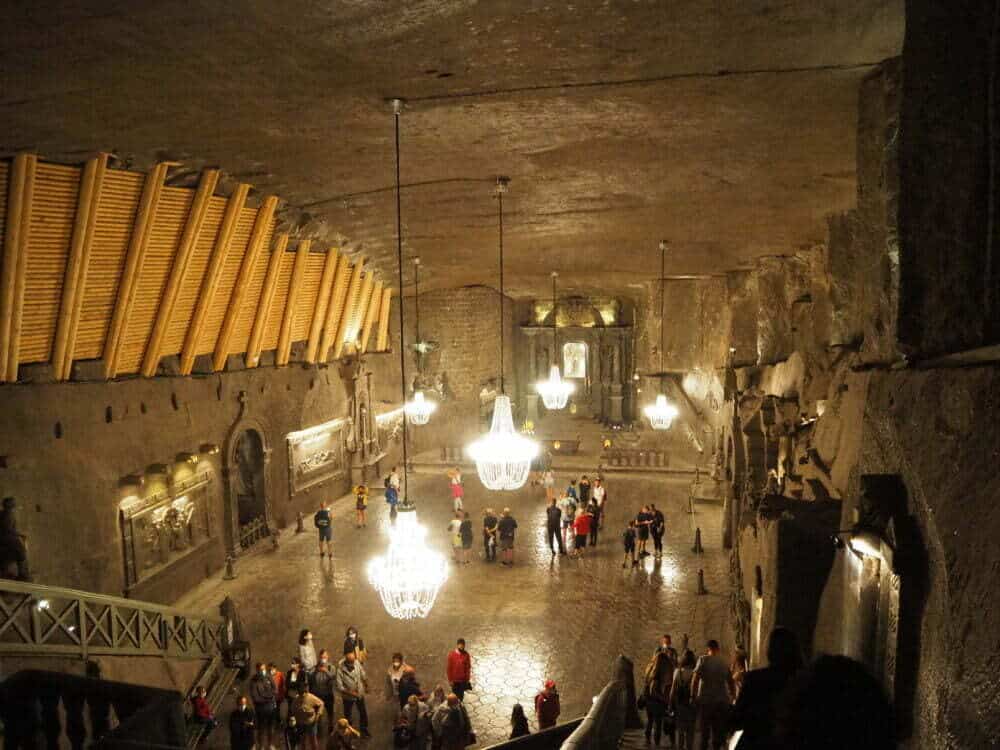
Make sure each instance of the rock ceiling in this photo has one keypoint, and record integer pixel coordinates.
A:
(727, 127)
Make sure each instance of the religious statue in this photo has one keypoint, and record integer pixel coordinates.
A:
(13, 545)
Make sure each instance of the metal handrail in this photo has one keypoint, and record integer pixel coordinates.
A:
(50, 620)
(611, 714)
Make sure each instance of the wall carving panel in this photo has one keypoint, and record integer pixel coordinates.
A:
(316, 455)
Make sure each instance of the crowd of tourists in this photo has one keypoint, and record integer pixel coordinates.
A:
(297, 708)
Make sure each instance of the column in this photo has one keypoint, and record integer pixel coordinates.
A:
(530, 394)
(615, 399)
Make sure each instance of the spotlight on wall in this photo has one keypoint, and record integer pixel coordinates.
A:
(865, 541)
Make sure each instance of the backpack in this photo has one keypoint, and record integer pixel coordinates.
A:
(387, 482)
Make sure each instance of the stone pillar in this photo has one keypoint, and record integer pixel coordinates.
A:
(530, 395)
(615, 399)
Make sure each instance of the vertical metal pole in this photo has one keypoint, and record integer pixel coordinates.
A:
(500, 205)
(397, 106)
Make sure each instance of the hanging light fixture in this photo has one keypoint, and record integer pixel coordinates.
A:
(503, 456)
(409, 575)
(555, 391)
(419, 410)
(661, 414)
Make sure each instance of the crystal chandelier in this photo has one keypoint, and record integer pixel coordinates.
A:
(555, 391)
(661, 414)
(410, 574)
(419, 410)
(503, 456)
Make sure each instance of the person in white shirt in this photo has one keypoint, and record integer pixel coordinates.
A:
(598, 493)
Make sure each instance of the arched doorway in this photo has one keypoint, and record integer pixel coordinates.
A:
(248, 509)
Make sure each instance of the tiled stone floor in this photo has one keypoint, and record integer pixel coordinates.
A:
(562, 619)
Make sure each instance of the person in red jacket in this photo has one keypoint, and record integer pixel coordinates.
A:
(201, 711)
(547, 706)
(581, 528)
(460, 669)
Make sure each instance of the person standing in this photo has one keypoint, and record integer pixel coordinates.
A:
(457, 489)
(265, 705)
(416, 714)
(754, 710)
(408, 686)
(321, 685)
(307, 651)
(465, 532)
(681, 702)
(201, 713)
(354, 643)
(549, 483)
(360, 506)
(459, 669)
(600, 496)
(490, 522)
(279, 690)
(595, 516)
(584, 489)
(13, 545)
(581, 528)
(712, 690)
(572, 492)
(518, 722)
(642, 523)
(628, 540)
(296, 682)
(738, 669)
(343, 736)
(553, 521)
(394, 480)
(393, 675)
(241, 725)
(456, 729)
(352, 684)
(455, 532)
(658, 680)
(567, 505)
(667, 646)
(657, 527)
(547, 708)
(391, 498)
(323, 523)
(506, 528)
(307, 711)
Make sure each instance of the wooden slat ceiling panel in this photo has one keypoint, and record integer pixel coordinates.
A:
(165, 235)
(115, 215)
(227, 280)
(52, 215)
(306, 302)
(277, 310)
(3, 194)
(248, 310)
(191, 288)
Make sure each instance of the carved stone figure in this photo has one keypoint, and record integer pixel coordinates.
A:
(13, 546)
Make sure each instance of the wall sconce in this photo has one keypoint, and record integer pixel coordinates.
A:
(556, 445)
(209, 449)
(606, 443)
(132, 480)
(154, 469)
(189, 458)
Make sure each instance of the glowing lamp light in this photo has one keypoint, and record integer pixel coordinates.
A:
(661, 414)
(555, 391)
(556, 444)
(409, 575)
(419, 410)
(503, 457)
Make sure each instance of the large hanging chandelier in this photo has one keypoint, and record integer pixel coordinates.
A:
(661, 414)
(555, 391)
(503, 456)
(419, 410)
(409, 575)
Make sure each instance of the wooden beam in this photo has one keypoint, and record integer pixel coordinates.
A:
(265, 214)
(178, 271)
(77, 266)
(210, 282)
(382, 342)
(322, 302)
(334, 308)
(264, 303)
(360, 311)
(144, 217)
(288, 320)
(353, 289)
(370, 315)
(15, 261)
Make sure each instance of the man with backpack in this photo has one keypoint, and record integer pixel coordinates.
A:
(567, 504)
(392, 493)
(323, 523)
(456, 729)
(547, 707)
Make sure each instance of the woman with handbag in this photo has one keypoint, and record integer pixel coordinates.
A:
(656, 696)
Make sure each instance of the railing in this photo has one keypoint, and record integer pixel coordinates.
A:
(635, 457)
(54, 709)
(47, 620)
(253, 532)
(613, 712)
(547, 739)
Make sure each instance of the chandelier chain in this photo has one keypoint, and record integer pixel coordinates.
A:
(500, 210)
(397, 107)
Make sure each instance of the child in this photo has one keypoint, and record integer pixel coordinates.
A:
(518, 722)
(628, 539)
(455, 530)
(361, 506)
(457, 490)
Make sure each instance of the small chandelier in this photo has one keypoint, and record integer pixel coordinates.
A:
(409, 575)
(503, 456)
(555, 391)
(661, 414)
(419, 410)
